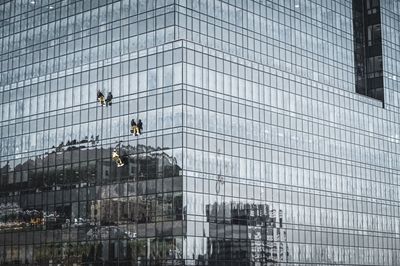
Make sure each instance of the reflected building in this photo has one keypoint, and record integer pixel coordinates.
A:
(270, 132)
(120, 207)
(243, 233)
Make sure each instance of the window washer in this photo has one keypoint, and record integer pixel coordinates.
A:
(109, 98)
(117, 159)
(100, 97)
(133, 127)
(140, 126)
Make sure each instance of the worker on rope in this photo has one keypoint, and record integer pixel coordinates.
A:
(140, 126)
(117, 159)
(100, 97)
(134, 128)
(109, 99)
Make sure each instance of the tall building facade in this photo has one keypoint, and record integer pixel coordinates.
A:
(271, 132)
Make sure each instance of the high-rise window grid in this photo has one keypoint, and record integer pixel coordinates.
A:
(256, 147)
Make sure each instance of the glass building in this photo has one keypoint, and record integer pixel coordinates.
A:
(270, 132)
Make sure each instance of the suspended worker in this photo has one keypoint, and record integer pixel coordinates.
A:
(100, 97)
(109, 98)
(140, 126)
(117, 159)
(134, 128)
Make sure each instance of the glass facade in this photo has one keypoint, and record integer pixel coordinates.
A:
(256, 147)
